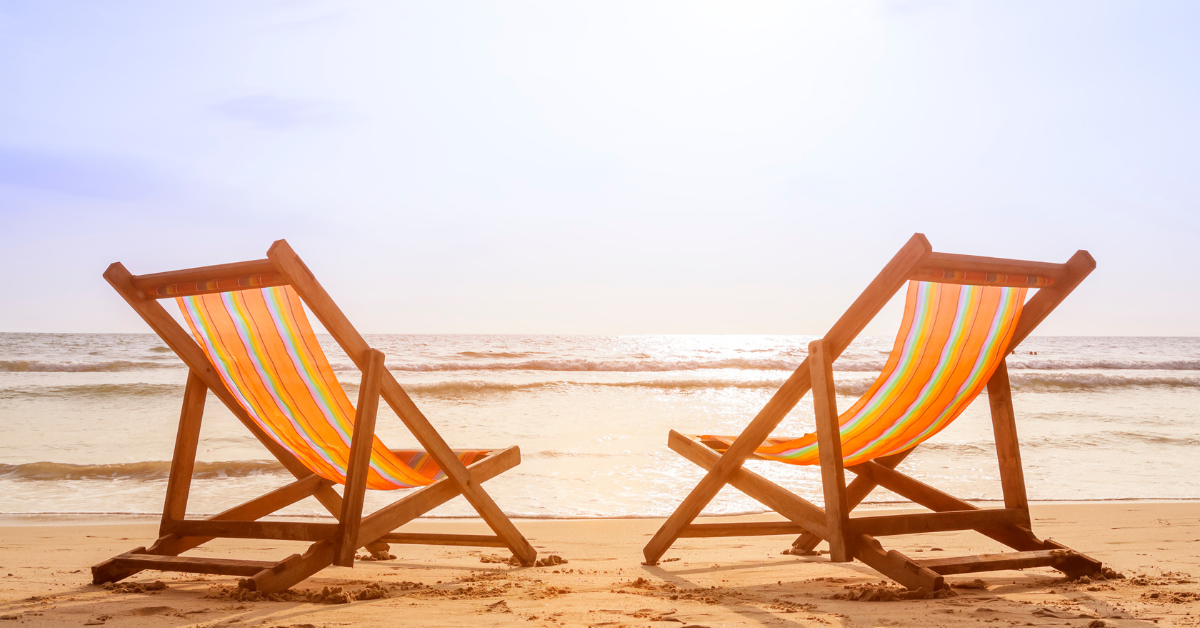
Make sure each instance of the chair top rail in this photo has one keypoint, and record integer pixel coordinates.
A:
(208, 279)
(988, 271)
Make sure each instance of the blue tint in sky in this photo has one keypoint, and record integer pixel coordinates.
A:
(598, 167)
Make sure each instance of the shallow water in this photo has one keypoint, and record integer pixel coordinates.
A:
(88, 420)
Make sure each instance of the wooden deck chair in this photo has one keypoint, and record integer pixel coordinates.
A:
(963, 315)
(252, 346)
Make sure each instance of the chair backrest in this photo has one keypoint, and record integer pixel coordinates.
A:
(950, 342)
(261, 343)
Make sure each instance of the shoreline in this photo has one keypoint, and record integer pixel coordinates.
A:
(10, 520)
(701, 582)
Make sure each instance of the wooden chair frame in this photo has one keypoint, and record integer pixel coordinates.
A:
(332, 543)
(854, 537)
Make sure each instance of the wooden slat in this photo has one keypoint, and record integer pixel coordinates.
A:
(278, 530)
(829, 448)
(187, 438)
(795, 508)
(977, 264)
(921, 523)
(868, 304)
(357, 466)
(147, 283)
(997, 562)
(336, 323)
(1008, 449)
(749, 528)
(189, 564)
(465, 540)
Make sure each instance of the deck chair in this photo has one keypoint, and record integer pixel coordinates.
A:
(963, 315)
(251, 345)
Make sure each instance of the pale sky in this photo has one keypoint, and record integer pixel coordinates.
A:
(600, 167)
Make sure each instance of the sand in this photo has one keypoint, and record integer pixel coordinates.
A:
(746, 581)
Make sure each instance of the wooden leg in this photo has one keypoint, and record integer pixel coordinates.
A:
(292, 569)
(856, 492)
(183, 462)
(829, 446)
(1008, 450)
(358, 465)
(897, 566)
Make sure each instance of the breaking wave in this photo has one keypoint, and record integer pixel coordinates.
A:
(632, 366)
(148, 470)
(92, 390)
(1062, 382)
(1021, 382)
(36, 366)
(1017, 362)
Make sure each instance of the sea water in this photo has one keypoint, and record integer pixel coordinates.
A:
(88, 421)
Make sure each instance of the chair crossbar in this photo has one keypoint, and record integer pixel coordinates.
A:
(752, 528)
(462, 540)
(277, 530)
(989, 271)
(945, 521)
(208, 279)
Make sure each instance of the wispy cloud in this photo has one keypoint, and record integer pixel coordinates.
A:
(274, 112)
(95, 176)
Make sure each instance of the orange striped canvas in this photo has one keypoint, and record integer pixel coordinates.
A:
(262, 345)
(951, 341)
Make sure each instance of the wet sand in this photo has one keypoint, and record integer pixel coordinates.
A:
(744, 581)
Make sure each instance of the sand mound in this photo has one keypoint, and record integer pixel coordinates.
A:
(887, 593)
(136, 587)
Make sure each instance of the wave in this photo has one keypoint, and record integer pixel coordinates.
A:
(148, 470)
(1016, 362)
(93, 390)
(1105, 440)
(758, 364)
(36, 366)
(619, 365)
(1111, 439)
(1060, 382)
(494, 354)
(478, 386)
(1021, 382)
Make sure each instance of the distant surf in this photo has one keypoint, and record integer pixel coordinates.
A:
(89, 420)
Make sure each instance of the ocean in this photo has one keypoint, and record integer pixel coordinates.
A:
(87, 421)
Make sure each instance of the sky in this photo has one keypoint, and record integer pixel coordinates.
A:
(598, 167)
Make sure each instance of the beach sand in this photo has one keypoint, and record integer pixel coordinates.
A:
(743, 581)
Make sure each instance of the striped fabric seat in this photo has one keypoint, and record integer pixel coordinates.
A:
(262, 345)
(951, 341)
